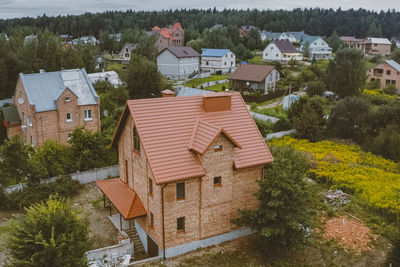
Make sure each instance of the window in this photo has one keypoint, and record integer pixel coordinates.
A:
(225, 63)
(150, 187)
(277, 55)
(180, 224)
(207, 63)
(67, 99)
(126, 172)
(217, 181)
(126, 50)
(217, 148)
(23, 117)
(32, 141)
(151, 220)
(88, 115)
(388, 72)
(30, 121)
(69, 117)
(180, 191)
(136, 140)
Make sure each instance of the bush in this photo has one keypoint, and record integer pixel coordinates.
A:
(390, 89)
(315, 88)
(50, 234)
(265, 127)
(282, 125)
(387, 143)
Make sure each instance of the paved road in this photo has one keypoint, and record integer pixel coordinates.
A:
(264, 117)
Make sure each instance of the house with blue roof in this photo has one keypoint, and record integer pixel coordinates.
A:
(318, 47)
(385, 74)
(51, 105)
(217, 60)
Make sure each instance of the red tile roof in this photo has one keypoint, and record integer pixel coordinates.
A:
(177, 26)
(166, 127)
(123, 198)
(155, 28)
(166, 33)
(204, 134)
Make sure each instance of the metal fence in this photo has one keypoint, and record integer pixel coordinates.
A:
(82, 177)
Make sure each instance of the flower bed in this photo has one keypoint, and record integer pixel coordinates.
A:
(376, 179)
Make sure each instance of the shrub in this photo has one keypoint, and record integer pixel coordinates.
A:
(316, 88)
(265, 127)
(282, 125)
(387, 143)
(390, 89)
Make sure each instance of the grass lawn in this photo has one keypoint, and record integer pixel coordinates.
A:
(198, 81)
(218, 87)
(255, 60)
(369, 64)
(277, 112)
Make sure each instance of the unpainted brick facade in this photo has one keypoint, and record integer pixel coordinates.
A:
(53, 124)
(208, 209)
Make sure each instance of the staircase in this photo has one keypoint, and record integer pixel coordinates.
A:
(138, 250)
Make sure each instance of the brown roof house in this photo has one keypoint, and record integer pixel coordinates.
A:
(178, 62)
(257, 78)
(174, 35)
(371, 46)
(51, 105)
(281, 50)
(187, 165)
(386, 73)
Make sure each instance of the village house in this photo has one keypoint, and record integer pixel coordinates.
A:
(375, 46)
(351, 41)
(187, 165)
(51, 105)
(172, 36)
(126, 51)
(319, 48)
(217, 60)
(386, 73)
(282, 51)
(245, 29)
(293, 37)
(268, 35)
(178, 62)
(106, 76)
(252, 77)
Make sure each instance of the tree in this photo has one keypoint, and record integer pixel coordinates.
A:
(346, 73)
(50, 234)
(350, 118)
(387, 143)
(144, 80)
(242, 52)
(91, 150)
(17, 163)
(146, 48)
(306, 49)
(374, 30)
(334, 42)
(396, 55)
(286, 211)
(56, 158)
(315, 88)
(307, 117)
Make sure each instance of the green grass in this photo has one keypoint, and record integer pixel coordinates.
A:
(218, 87)
(255, 60)
(199, 81)
(369, 64)
(277, 112)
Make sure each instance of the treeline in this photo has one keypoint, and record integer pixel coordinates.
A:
(315, 21)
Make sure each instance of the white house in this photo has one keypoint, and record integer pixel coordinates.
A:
(397, 41)
(293, 37)
(319, 48)
(106, 76)
(217, 60)
(271, 36)
(281, 51)
(126, 51)
(178, 62)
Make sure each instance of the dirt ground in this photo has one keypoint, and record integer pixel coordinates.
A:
(102, 231)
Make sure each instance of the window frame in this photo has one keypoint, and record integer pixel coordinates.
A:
(151, 220)
(180, 195)
(219, 179)
(87, 115)
(136, 139)
(70, 117)
(217, 148)
(180, 221)
(150, 187)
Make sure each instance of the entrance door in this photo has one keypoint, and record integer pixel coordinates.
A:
(152, 248)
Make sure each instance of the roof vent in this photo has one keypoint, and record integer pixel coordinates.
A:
(214, 102)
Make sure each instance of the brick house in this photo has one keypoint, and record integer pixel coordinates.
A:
(187, 165)
(172, 36)
(386, 73)
(252, 77)
(51, 105)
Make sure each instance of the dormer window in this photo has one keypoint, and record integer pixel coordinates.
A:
(136, 140)
(217, 148)
(67, 99)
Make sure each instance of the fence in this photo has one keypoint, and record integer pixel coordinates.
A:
(110, 255)
(262, 98)
(82, 177)
(212, 83)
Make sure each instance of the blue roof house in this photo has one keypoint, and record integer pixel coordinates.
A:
(217, 60)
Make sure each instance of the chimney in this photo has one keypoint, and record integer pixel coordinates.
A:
(167, 93)
(214, 102)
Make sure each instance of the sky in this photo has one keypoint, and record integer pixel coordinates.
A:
(33, 8)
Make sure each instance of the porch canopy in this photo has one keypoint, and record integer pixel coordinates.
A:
(124, 199)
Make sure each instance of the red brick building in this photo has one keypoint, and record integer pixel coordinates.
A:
(51, 105)
(172, 36)
(187, 165)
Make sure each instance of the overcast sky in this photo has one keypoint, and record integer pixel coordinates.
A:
(21, 8)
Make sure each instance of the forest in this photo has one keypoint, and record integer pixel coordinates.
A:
(315, 21)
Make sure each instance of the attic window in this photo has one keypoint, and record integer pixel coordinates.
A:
(67, 99)
(217, 148)
(136, 140)
(217, 181)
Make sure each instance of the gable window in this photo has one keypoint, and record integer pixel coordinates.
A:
(388, 72)
(88, 115)
(67, 99)
(151, 220)
(69, 117)
(180, 224)
(136, 139)
(217, 148)
(217, 181)
(180, 191)
(150, 187)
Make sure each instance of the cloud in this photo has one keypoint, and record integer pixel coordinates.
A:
(19, 8)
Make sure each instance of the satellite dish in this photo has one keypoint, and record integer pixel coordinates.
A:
(20, 100)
